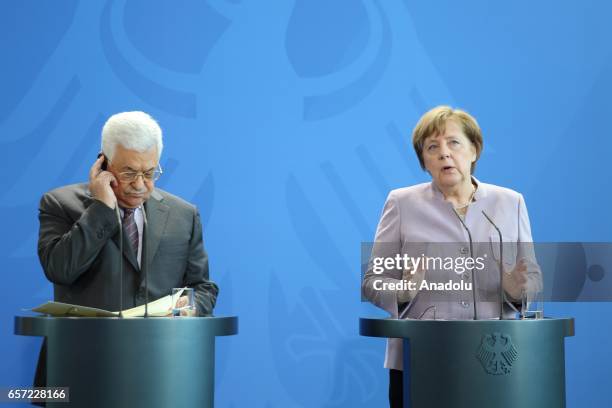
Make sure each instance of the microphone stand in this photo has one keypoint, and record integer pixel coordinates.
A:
(118, 213)
(501, 264)
(143, 260)
(471, 269)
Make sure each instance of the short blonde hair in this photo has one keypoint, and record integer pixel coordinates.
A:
(434, 123)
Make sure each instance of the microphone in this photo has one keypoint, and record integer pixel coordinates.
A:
(471, 269)
(118, 213)
(143, 260)
(501, 264)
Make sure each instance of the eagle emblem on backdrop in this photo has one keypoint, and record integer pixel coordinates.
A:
(497, 353)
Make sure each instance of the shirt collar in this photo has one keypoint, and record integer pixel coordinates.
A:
(136, 210)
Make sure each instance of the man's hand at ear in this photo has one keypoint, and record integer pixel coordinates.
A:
(101, 183)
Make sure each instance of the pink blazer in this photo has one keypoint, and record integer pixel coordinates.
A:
(417, 218)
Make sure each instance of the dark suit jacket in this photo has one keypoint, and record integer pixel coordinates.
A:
(78, 247)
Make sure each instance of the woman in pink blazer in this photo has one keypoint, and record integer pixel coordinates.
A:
(434, 218)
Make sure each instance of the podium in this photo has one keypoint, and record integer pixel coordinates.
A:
(480, 363)
(131, 362)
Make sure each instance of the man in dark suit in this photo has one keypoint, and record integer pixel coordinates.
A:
(78, 243)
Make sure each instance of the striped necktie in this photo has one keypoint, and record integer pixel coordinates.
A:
(130, 229)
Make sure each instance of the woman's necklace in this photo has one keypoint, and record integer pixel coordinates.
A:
(461, 207)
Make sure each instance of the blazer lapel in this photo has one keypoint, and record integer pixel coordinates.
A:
(157, 218)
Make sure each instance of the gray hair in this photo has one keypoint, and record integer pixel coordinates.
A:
(132, 130)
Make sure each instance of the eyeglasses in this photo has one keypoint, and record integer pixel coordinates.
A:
(132, 176)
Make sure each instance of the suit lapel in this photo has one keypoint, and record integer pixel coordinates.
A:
(157, 218)
(128, 251)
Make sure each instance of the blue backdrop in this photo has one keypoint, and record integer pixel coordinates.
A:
(287, 123)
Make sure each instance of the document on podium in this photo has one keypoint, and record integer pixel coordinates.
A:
(157, 308)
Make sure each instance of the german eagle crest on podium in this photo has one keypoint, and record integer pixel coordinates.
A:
(497, 353)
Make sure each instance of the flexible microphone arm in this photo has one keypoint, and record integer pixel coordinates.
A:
(472, 268)
(118, 213)
(143, 260)
(501, 264)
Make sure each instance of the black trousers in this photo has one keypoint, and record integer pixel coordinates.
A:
(396, 388)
